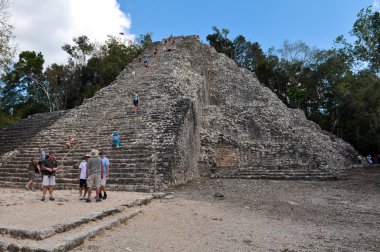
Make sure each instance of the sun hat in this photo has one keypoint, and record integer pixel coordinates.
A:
(94, 153)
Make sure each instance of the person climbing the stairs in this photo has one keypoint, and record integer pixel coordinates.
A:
(136, 102)
(146, 59)
(115, 140)
(70, 141)
(171, 46)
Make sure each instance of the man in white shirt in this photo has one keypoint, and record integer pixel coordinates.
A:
(82, 175)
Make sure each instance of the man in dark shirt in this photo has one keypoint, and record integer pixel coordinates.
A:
(49, 167)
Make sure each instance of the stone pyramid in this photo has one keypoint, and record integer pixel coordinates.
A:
(199, 115)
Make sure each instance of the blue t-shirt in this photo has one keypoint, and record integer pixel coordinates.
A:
(105, 163)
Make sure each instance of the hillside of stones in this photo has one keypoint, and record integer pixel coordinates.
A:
(199, 114)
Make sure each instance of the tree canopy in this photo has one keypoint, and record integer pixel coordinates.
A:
(6, 35)
(27, 88)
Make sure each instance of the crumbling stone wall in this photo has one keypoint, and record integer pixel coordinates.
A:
(244, 124)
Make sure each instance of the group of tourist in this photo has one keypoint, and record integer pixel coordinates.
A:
(169, 45)
(93, 172)
(371, 159)
(375, 159)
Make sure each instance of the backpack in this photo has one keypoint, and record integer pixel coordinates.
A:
(135, 98)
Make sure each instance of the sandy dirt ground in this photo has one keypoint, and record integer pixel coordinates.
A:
(256, 215)
(21, 209)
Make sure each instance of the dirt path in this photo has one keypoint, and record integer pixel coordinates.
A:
(256, 215)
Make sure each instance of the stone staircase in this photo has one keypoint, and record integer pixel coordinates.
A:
(11, 138)
(291, 172)
(144, 135)
(198, 114)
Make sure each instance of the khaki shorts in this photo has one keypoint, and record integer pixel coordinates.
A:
(31, 175)
(48, 180)
(103, 181)
(93, 180)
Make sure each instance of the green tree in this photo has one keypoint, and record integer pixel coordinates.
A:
(61, 85)
(145, 40)
(25, 86)
(6, 36)
(220, 42)
(367, 32)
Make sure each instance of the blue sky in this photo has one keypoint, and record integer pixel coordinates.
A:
(316, 22)
(45, 25)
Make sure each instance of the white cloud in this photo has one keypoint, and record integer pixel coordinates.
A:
(45, 25)
(376, 5)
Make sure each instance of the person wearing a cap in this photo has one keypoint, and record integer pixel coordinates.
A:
(82, 175)
(94, 171)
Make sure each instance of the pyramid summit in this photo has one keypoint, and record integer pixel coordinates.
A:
(199, 115)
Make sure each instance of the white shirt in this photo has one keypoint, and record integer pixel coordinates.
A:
(83, 168)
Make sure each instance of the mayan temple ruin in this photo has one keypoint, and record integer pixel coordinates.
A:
(199, 115)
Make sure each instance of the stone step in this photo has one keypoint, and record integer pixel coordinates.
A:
(128, 188)
(126, 171)
(74, 182)
(73, 161)
(278, 176)
(292, 171)
(66, 236)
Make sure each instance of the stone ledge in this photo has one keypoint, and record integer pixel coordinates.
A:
(68, 242)
(60, 228)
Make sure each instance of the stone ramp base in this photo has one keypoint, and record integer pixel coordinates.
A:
(70, 222)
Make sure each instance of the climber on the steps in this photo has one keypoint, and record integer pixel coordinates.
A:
(165, 44)
(171, 46)
(70, 142)
(115, 139)
(146, 59)
(136, 102)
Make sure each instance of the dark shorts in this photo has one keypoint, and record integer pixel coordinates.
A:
(82, 183)
(135, 103)
(31, 175)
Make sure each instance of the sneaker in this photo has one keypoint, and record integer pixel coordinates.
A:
(88, 201)
(51, 198)
(43, 198)
(26, 187)
(98, 200)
